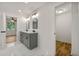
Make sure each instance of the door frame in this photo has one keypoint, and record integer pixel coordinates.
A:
(55, 23)
(13, 43)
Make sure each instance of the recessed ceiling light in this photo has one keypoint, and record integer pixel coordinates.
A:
(19, 10)
(26, 2)
(60, 11)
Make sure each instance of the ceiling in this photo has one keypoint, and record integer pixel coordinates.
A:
(63, 8)
(26, 8)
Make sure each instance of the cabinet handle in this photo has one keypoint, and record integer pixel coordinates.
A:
(54, 33)
(3, 31)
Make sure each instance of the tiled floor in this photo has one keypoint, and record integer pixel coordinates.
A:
(63, 49)
(17, 50)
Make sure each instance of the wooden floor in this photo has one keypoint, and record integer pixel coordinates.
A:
(10, 39)
(63, 49)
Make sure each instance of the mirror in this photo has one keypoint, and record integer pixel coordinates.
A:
(35, 23)
(28, 24)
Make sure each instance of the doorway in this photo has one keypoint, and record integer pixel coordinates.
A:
(11, 24)
(63, 29)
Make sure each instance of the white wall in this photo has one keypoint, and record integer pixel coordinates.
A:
(46, 30)
(75, 29)
(46, 38)
(21, 26)
(2, 28)
(63, 27)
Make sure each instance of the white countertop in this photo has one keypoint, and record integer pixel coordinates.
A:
(28, 32)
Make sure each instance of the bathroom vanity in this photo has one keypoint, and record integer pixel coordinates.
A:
(30, 40)
(30, 37)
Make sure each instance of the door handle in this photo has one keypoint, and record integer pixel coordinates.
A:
(54, 33)
(3, 31)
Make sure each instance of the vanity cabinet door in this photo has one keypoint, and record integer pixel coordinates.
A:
(33, 40)
(29, 39)
(23, 38)
(35, 23)
(26, 40)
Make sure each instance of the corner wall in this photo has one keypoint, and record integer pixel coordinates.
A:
(47, 29)
(75, 29)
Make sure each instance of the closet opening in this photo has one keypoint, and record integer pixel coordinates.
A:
(63, 29)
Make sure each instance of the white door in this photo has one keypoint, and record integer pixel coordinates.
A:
(2, 30)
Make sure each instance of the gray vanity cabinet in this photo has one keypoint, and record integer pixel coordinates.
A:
(29, 39)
